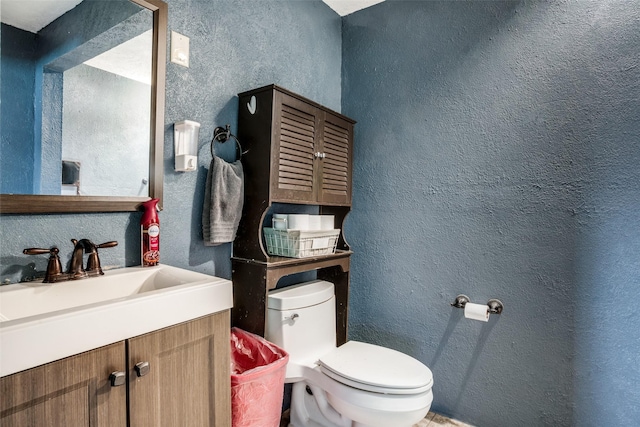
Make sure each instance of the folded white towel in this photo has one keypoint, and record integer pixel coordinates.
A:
(223, 200)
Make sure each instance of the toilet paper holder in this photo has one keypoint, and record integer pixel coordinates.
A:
(495, 305)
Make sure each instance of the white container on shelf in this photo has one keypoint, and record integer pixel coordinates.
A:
(279, 221)
(327, 222)
(298, 222)
(315, 222)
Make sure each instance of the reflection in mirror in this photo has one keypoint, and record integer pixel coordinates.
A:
(79, 102)
(105, 127)
(96, 101)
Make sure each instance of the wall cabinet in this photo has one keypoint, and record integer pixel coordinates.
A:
(297, 152)
(311, 153)
(186, 381)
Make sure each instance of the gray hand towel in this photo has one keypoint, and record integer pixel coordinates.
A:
(223, 200)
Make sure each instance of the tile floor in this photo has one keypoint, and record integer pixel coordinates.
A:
(435, 420)
(431, 420)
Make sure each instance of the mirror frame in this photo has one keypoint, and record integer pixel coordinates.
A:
(28, 203)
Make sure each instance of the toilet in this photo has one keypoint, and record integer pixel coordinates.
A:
(354, 385)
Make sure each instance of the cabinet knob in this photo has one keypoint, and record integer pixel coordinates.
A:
(142, 368)
(117, 378)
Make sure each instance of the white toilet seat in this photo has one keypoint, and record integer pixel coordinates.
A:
(371, 408)
(366, 407)
(376, 369)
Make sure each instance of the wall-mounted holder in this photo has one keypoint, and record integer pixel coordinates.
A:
(461, 301)
(495, 305)
(222, 135)
(185, 139)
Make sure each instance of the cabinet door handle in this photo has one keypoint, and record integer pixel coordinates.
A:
(142, 368)
(117, 378)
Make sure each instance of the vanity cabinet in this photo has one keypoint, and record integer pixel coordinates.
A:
(296, 151)
(187, 382)
(74, 391)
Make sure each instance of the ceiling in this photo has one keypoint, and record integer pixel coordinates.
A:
(33, 15)
(131, 59)
(345, 7)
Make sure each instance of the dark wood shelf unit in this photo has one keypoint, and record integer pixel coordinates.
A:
(296, 152)
(253, 279)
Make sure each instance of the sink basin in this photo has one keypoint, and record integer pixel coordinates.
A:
(42, 322)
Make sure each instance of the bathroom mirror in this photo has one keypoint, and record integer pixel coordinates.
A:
(72, 59)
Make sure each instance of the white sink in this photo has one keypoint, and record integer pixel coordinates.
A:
(43, 322)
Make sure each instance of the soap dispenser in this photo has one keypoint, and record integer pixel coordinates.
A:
(185, 139)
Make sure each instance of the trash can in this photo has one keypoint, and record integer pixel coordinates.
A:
(257, 380)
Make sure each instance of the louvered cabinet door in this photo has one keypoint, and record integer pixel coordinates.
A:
(293, 151)
(335, 161)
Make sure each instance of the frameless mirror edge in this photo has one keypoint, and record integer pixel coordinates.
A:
(25, 204)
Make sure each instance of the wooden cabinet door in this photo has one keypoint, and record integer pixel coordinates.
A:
(334, 180)
(188, 382)
(70, 392)
(311, 154)
(293, 165)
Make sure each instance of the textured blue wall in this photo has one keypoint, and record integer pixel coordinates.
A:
(497, 154)
(16, 110)
(235, 46)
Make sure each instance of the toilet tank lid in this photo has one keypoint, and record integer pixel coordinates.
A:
(301, 295)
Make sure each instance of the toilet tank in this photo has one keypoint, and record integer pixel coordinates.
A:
(301, 319)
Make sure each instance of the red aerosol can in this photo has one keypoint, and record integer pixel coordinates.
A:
(150, 227)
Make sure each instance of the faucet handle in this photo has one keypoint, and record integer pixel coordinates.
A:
(54, 267)
(93, 262)
(107, 244)
(38, 251)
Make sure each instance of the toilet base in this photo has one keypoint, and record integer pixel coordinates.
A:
(306, 411)
(310, 408)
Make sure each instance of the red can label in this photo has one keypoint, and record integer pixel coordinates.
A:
(151, 245)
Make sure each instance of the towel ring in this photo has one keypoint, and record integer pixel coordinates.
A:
(222, 135)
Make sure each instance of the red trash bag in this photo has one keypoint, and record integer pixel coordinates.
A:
(257, 380)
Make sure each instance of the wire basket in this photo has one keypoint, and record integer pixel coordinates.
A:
(300, 244)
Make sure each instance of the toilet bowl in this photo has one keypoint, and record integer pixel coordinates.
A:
(354, 385)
